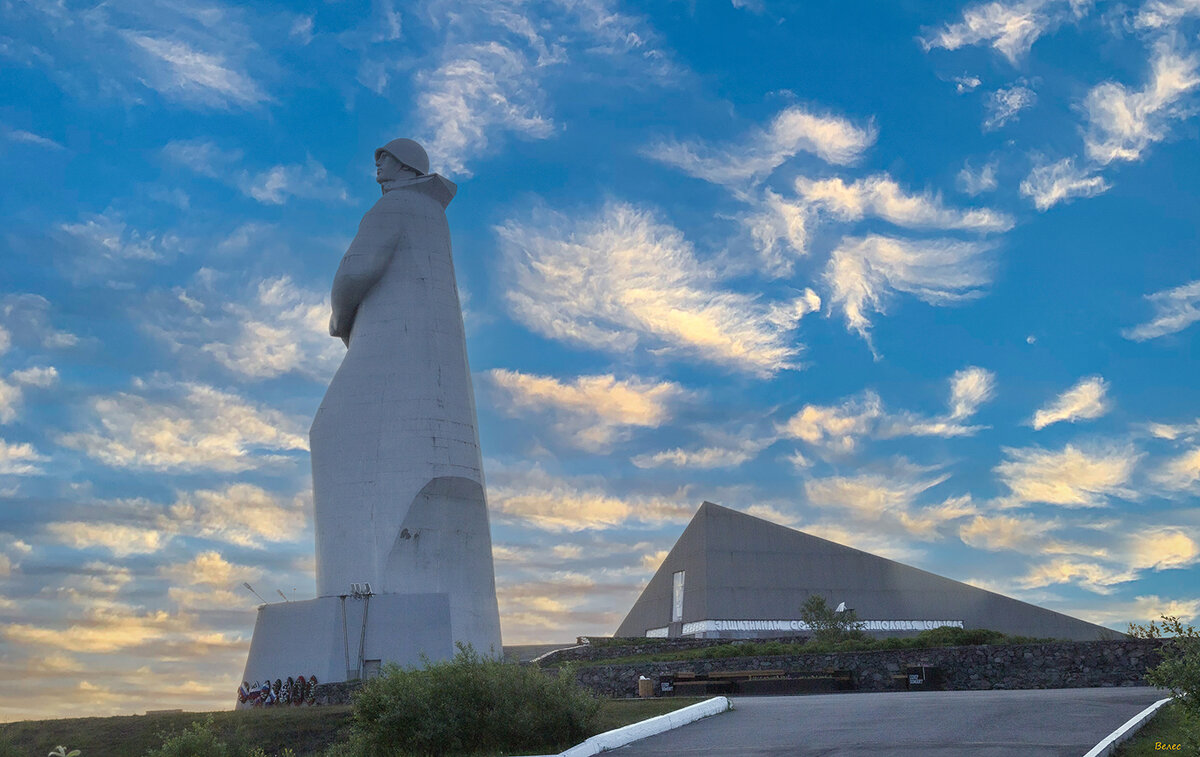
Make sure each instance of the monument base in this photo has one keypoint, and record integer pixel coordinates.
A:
(335, 639)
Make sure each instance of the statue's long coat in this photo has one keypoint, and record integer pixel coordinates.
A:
(397, 476)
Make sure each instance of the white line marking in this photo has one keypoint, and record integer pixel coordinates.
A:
(1110, 742)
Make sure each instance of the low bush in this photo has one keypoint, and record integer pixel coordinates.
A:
(197, 740)
(945, 636)
(1178, 671)
(469, 705)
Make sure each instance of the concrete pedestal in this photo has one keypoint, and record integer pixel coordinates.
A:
(325, 637)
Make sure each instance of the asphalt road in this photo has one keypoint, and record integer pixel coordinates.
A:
(1036, 723)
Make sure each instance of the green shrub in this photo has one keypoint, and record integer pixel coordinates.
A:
(1179, 670)
(469, 705)
(949, 636)
(827, 624)
(197, 740)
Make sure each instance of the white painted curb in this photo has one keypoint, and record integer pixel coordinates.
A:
(619, 737)
(1114, 739)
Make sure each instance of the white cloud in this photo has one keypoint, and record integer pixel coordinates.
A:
(794, 130)
(1004, 104)
(19, 135)
(241, 514)
(28, 317)
(1053, 183)
(478, 92)
(592, 412)
(1159, 14)
(5, 340)
(890, 500)
(1084, 401)
(42, 377)
(488, 80)
(269, 328)
(864, 273)
(964, 84)
(192, 76)
(881, 197)
(837, 428)
(623, 277)
(203, 156)
(1070, 478)
(1164, 548)
(1140, 610)
(302, 29)
(729, 452)
(193, 427)
(1180, 473)
(10, 399)
(975, 182)
(122, 540)
(536, 498)
(284, 331)
(18, 459)
(780, 229)
(1010, 28)
(106, 234)
(1174, 310)
(309, 181)
(1123, 123)
(970, 388)
(1093, 576)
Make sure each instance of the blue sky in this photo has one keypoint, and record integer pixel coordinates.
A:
(916, 277)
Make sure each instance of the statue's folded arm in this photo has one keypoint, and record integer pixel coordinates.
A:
(361, 268)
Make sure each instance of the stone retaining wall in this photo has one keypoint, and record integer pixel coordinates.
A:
(1059, 665)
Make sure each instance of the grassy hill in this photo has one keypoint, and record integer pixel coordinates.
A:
(307, 731)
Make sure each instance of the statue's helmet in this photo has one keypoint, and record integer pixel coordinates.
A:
(407, 152)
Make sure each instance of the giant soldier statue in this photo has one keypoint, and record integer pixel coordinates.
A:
(398, 489)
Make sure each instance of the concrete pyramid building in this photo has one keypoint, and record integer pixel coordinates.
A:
(733, 575)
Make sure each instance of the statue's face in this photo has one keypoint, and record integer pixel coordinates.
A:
(387, 168)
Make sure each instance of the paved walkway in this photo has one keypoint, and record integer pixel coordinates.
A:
(1035, 723)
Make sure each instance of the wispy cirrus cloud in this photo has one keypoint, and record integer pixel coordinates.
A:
(184, 427)
(256, 330)
(1004, 104)
(1052, 183)
(888, 499)
(1174, 310)
(203, 156)
(622, 277)
(193, 76)
(490, 79)
(202, 57)
(864, 273)
(716, 448)
(1123, 123)
(880, 196)
(591, 412)
(796, 129)
(970, 388)
(479, 91)
(109, 236)
(1163, 14)
(977, 181)
(535, 498)
(1071, 477)
(277, 184)
(1085, 400)
(1010, 28)
(839, 428)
